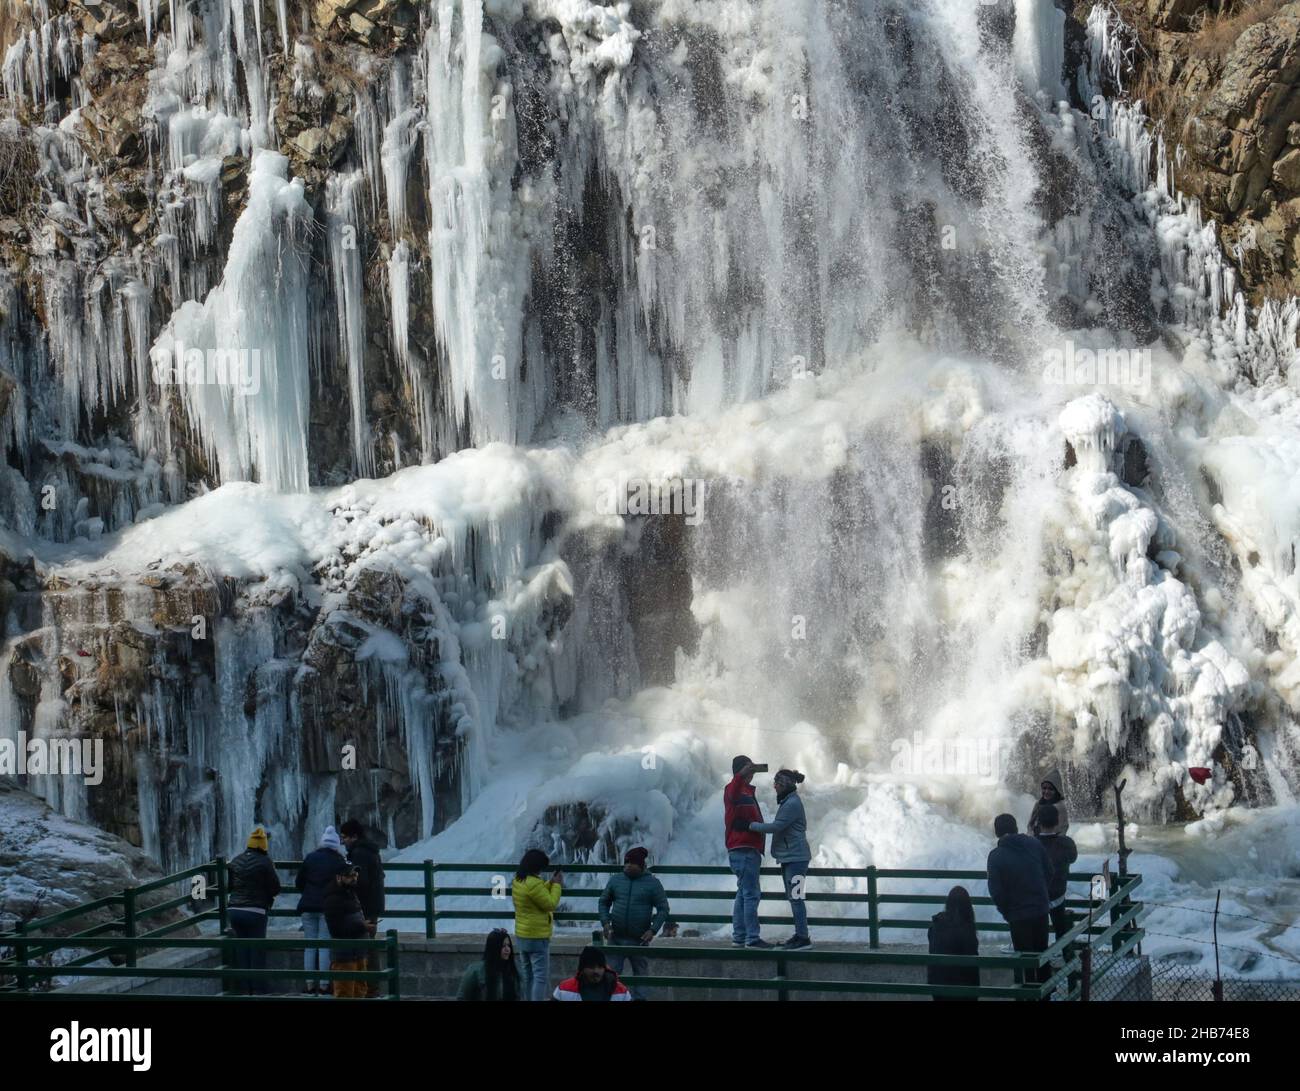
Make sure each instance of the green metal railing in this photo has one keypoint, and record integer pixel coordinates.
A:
(1113, 921)
(1036, 975)
(225, 947)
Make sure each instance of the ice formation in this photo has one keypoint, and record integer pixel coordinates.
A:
(812, 264)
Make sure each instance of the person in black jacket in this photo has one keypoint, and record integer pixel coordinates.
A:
(1018, 875)
(253, 885)
(314, 880)
(345, 920)
(1062, 851)
(370, 884)
(952, 932)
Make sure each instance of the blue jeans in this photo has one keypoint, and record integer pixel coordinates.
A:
(790, 871)
(315, 958)
(745, 864)
(640, 964)
(537, 967)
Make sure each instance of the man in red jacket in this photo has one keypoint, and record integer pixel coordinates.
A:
(744, 852)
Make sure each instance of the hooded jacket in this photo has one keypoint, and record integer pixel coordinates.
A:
(1019, 873)
(535, 903)
(316, 876)
(789, 830)
(739, 801)
(634, 906)
(1063, 819)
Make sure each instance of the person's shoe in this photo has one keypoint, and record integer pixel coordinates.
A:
(796, 942)
(761, 945)
(737, 943)
(310, 990)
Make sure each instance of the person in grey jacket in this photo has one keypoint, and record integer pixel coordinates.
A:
(1051, 794)
(789, 830)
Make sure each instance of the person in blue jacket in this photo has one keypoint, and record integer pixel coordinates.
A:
(314, 881)
(633, 907)
(1019, 874)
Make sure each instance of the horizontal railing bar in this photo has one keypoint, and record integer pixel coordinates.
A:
(769, 984)
(59, 995)
(75, 911)
(712, 869)
(188, 922)
(35, 951)
(411, 913)
(179, 877)
(853, 958)
(163, 907)
(212, 973)
(202, 943)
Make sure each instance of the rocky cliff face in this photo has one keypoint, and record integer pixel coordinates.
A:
(1222, 78)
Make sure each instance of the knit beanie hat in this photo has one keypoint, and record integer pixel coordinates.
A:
(258, 839)
(636, 856)
(330, 840)
(590, 958)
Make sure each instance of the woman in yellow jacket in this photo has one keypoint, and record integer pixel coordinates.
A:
(535, 903)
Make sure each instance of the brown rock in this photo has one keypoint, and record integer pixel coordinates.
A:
(363, 28)
(1286, 171)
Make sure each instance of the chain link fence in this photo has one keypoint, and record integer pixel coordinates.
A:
(1131, 977)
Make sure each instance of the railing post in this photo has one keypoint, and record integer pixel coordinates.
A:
(1085, 971)
(781, 994)
(20, 956)
(872, 907)
(227, 947)
(223, 906)
(1116, 911)
(430, 900)
(128, 913)
(394, 971)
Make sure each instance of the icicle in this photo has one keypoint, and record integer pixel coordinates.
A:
(478, 273)
(345, 259)
(149, 13)
(249, 337)
(399, 143)
(399, 280)
(398, 285)
(1039, 45)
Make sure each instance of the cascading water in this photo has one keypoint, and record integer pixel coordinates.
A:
(568, 396)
